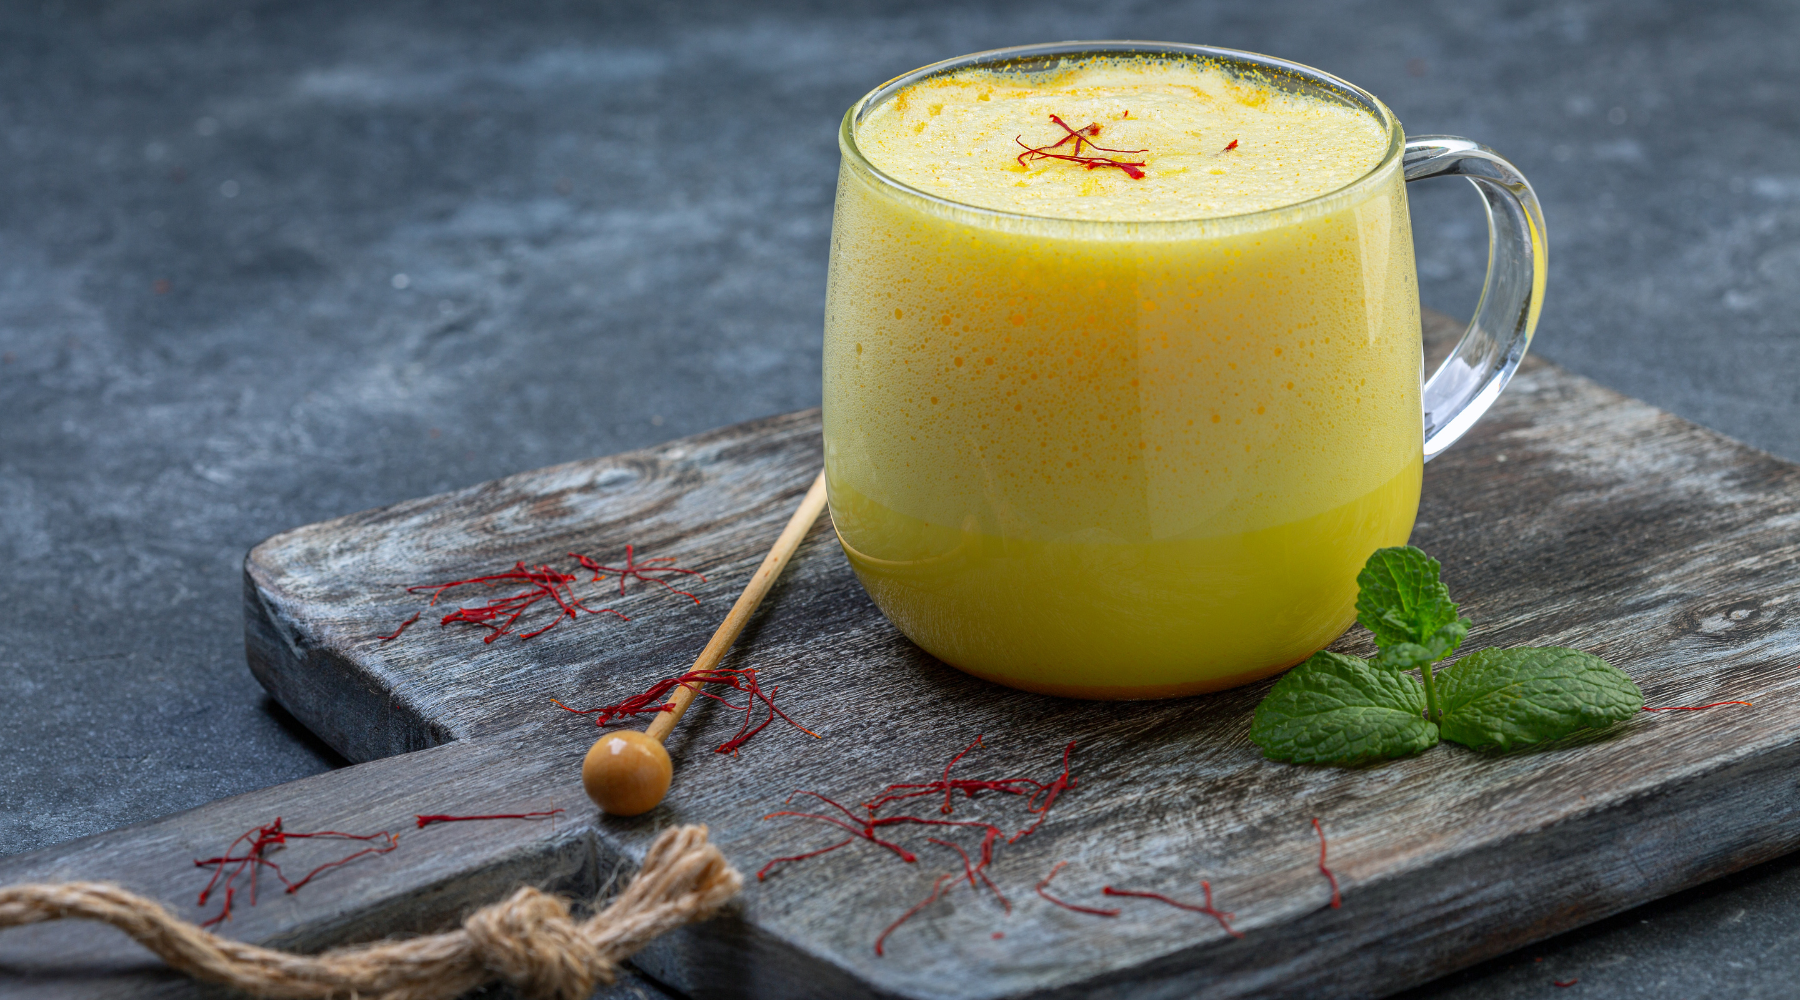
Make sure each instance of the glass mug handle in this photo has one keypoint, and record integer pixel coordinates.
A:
(1469, 381)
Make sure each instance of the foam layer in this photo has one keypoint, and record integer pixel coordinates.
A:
(958, 137)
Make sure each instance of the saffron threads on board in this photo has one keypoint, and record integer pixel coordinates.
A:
(656, 700)
(1337, 900)
(425, 821)
(1083, 138)
(1041, 886)
(856, 827)
(863, 828)
(1222, 917)
(636, 570)
(500, 614)
(1038, 796)
(257, 845)
(259, 842)
(543, 583)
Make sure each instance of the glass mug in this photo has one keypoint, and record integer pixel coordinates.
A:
(1111, 459)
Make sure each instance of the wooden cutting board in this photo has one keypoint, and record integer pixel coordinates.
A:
(1571, 515)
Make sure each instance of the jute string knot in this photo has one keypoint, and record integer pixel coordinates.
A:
(528, 941)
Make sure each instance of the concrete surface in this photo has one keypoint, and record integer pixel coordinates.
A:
(262, 264)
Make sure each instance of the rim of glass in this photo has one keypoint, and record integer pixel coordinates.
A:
(1276, 71)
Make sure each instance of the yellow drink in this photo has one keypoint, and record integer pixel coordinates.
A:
(1104, 436)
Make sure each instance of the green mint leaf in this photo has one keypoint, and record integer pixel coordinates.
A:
(1403, 656)
(1401, 599)
(1336, 709)
(1446, 639)
(1410, 655)
(1505, 698)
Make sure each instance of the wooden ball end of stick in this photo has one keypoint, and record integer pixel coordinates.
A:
(626, 773)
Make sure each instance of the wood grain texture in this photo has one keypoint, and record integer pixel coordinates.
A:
(1570, 516)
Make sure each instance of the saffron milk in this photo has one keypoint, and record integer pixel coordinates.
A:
(1108, 436)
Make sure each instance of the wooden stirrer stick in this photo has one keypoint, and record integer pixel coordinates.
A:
(628, 772)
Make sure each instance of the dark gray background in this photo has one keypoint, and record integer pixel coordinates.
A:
(264, 264)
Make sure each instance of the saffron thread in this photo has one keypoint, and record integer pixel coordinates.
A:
(1224, 918)
(1694, 708)
(978, 871)
(636, 570)
(937, 889)
(425, 821)
(1041, 804)
(1337, 900)
(1096, 911)
(1082, 137)
(395, 634)
(763, 872)
(1564, 983)
(1229, 146)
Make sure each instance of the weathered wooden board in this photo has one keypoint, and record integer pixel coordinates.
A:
(1570, 516)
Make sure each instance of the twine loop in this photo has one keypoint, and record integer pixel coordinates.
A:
(528, 941)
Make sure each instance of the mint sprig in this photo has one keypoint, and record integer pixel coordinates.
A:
(1337, 709)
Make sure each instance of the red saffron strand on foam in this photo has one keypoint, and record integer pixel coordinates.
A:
(1221, 916)
(1564, 983)
(1694, 708)
(636, 570)
(395, 634)
(937, 889)
(1229, 146)
(1337, 901)
(425, 821)
(1096, 911)
(1082, 137)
